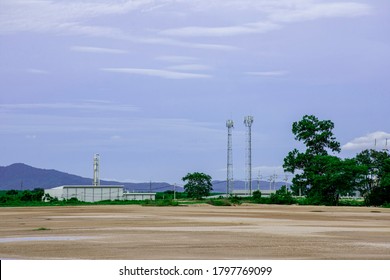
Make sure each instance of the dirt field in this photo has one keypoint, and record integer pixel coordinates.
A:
(195, 232)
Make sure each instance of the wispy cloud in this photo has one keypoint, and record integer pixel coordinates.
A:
(167, 74)
(368, 141)
(196, 31)
(37, 71)
(313, 11)
(49, 16)
(189, 67)
(89, 49)
(96, 106)
(176, 58)
(268, 73)
(272, 15)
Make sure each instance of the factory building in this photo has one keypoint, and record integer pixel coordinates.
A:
(96, 192)
(87, 193)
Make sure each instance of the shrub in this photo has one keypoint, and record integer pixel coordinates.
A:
(219, 202)
(282, 196)
(256, 196)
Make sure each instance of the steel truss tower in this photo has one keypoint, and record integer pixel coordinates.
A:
(248, 123)
(229, 180)
(96, 180)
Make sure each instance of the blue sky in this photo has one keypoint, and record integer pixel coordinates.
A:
(150, 84)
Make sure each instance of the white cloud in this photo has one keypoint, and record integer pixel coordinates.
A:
(256, 16)
(368, 141)
(157, 73)
(50, 16)
(195, 31)
(37, 71)
(320, 10)
(176, 58)
(89, 49)
(96, 106)
(267, 73)
(189, 67)
(271, 15)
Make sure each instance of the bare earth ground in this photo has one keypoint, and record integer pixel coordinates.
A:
(195, 232)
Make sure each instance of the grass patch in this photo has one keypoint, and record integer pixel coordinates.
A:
(41, 229)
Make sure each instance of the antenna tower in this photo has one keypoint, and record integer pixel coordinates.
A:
(96, 180)
(229, 180)
(248, 123)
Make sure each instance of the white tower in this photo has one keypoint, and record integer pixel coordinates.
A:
(248, 123)
(229, 180)
(96, 180)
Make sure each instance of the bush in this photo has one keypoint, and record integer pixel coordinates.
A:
(256, 196)
(219, 202)
(378, 196)
(235, 199)
(282, 196)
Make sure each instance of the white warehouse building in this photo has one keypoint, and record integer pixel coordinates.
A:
(87, 193)
(96, 193)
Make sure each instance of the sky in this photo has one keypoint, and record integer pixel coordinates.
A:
(149, 85)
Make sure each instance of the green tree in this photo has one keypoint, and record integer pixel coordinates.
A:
(376, 184)
(320, 176)
(197, 185)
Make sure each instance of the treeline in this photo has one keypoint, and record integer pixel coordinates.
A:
(15, 197)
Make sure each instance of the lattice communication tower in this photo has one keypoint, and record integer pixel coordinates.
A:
(229, 180)
(248, 121)
(96, 180)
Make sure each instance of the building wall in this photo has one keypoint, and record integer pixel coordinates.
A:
(99, 193)
(139, 196)
(87, 193)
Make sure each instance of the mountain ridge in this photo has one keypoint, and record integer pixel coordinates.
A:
(20, 176)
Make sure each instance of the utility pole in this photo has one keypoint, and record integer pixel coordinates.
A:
(270, 182)
(258, 180)
(286, 179)
(273, 180)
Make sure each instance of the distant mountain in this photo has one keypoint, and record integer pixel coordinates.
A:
(20, 176)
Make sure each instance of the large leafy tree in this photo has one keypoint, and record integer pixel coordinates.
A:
(376, 183)
(197, 185)
(320, 176)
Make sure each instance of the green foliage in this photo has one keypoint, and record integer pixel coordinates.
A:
(160, 203)
(169, 194)
(197, 185)
(42, 228)
(219, 202)
(376, 183)
(282, 196)
(316, 135)
(256, 196)
(322, 178)
(234, 199)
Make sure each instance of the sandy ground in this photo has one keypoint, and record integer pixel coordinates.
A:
(195, 232)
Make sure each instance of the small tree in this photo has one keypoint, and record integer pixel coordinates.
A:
(282, 196)
(197, 185)
(256, 196)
